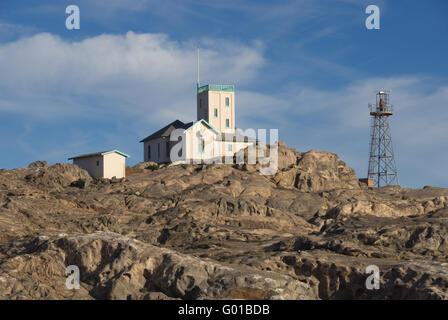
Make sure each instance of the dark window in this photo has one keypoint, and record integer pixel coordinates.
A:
(98, 163)
(227, 101)
(167, 149)
(216, 113)
(149, 152)
(227, 123)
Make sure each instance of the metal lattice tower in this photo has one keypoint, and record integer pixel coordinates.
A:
(382, 167)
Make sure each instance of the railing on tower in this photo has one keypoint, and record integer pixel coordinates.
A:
(217, 87)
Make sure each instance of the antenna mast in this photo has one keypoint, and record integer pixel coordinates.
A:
(198, 69)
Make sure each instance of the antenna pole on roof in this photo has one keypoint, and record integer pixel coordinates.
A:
(198, 68)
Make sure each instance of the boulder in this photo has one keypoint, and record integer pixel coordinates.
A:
(316, 171)
(58, 176)
(38, 165)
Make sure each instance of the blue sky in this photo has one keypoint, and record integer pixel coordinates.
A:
(308, 68)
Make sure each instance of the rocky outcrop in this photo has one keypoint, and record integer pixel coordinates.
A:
(217, 231)
(311, 171)
(115, 267)
(314, 171)
(346, 278)
(57, 176)
(38, 165)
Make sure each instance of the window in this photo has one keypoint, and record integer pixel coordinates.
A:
(227, 101)
(201, 145)
(98, 163)
(158, 150)
(215, 113)
(149, 152)
(229, 147)
(167, 149)
(227, 123)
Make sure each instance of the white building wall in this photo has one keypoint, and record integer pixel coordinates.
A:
(93, 165)
(192, 141)
(114, 166)
(210, 100)
(187, 148)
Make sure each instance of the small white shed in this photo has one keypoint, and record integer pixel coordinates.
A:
(106, 164)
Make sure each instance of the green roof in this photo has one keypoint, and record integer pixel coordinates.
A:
(116, 151)
(102, 153)
(217, 87)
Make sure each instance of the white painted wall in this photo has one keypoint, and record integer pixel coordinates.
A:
(208, 101)
(93, 165)
(107, 166)
(192, 143)
(114, 166)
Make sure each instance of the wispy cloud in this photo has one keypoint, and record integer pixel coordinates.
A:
(11, 31)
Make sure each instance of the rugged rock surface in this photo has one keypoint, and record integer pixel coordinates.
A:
(220, 231)
(56, 177)
(315, 171)
(116, 267)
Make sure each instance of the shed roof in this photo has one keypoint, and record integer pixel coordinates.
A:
(102, 153)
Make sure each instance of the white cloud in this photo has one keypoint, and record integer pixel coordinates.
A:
(148, 75)
(8, 31)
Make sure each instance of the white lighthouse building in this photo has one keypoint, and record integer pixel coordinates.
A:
(212, 135)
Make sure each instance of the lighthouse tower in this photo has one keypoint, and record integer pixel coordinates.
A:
(382, 167)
